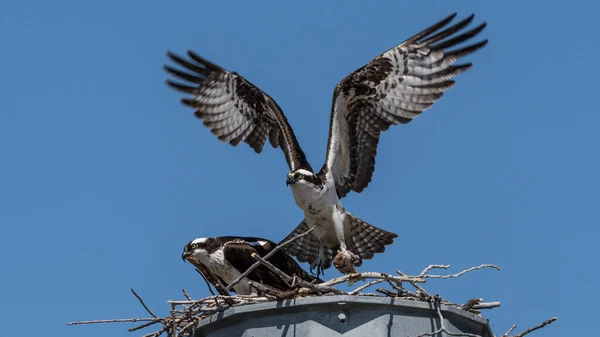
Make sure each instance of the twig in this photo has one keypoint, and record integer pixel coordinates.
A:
(210, 278)
(386, 292)
(539, 326)
(206, 281)
(145, 325)
(414, 284)
(157, 333)
(509, 330)
(266, 257)
(285, 277)
(189, 325)
(364, 286)
(434, 266)
(457, 274)
(371, 275)
(117, 320)
(288, 279)
(173, 322)
(143, 304)
(186, 294)
(207, 275)
(261, 289)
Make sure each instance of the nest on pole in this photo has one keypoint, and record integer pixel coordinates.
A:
(186, 313)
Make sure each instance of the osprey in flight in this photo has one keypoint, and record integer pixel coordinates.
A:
(393, 88)
(227, 257)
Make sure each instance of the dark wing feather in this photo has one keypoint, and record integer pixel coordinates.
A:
(239, 255)
(282, 260)
(234, 109)
(393, 88)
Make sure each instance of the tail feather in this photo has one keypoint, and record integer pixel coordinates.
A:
(361, 238)
(366, 239)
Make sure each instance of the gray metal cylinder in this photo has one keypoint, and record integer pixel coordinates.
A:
(339, 316)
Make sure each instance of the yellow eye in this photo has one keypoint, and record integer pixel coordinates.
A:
(193, 246)
(298, 175)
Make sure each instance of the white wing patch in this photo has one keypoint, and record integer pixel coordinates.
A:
(338, 159)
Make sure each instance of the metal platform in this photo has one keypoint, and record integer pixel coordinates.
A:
(339, 316)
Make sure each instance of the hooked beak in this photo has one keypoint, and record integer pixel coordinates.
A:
(184, 255)
(290, 180)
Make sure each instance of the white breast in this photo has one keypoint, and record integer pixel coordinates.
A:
(314, 200)
(217, 263)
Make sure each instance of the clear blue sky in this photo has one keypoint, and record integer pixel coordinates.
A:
(104, 175)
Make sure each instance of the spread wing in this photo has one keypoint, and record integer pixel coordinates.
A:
(234, 109)
(393, 88)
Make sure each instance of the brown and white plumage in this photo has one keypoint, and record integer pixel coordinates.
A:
(223, 259)
(234, 109)
(393, 88)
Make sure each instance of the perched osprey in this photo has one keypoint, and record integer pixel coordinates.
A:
(227, 257)
(393, 88)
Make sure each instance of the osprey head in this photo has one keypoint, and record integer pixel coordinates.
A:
(196, 248)
(301, 176)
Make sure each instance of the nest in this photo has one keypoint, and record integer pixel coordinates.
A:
(186, 313)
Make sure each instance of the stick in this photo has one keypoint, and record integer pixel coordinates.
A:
(539, 326)
(173, 322)
(371, 275)
(142, 302)
(457, 274)
(302, 283)
(145, 325)
(117, 320)
(414, 284)
(285, 277)
(386, 292)
(186, 294)
(266, 257)
(182, 331)
(434, 266)
(509, 330)
(157, 333)
(205, 281)
(357, 290)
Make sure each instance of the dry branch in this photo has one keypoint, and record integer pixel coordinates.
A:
(116, 320)
(372, 275)
(317, 288)
(440, 266)
(142, 302)
(539, 326)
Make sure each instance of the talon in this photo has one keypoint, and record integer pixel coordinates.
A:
(344, 261)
